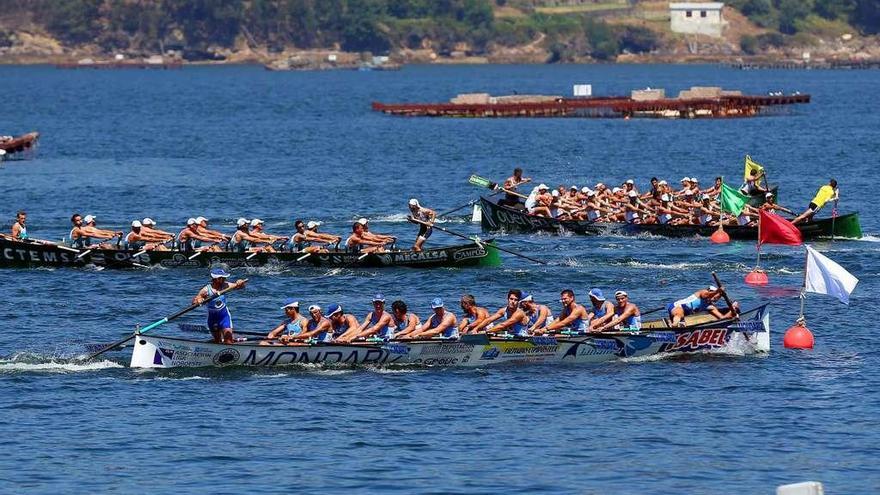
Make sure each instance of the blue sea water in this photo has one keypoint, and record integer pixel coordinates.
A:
(240, 141)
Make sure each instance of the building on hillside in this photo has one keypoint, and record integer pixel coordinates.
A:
(697, 18)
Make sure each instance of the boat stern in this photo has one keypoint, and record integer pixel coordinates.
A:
(848, 226)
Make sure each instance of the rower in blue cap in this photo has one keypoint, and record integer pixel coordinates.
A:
(219, 319)
(440, 324)
(377, 322)
(602, 310)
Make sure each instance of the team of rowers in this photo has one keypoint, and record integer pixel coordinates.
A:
(521, 316)
(661, 203)
(249, 235)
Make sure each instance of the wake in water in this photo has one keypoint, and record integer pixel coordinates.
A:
(26, 362)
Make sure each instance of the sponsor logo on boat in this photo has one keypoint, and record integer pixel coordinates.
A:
(543, 340)
(748, 326)
(227, 356)
(469, 253)
(505, 217)
(442, 349)
(261, 357)
(421, 256)
(396, 348)
(438, 361)
(699, 339)
(490, 353)
(38, 256)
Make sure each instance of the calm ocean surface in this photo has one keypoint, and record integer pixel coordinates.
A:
(241, 141)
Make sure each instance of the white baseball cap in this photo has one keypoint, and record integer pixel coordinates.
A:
(573, 187)
(362, 221)
(136, 224)
(586, 190)
(621, 293)
(616, 190)
(591, 193)
(554, 193)
(241, 221)
(685, 179)
(190, 221)
(599, 184)
(543, 187)
(201, 219)
(414, 202)
(148, 221)
(633, 194)
(630, 182)
(694, 179)
(314, 307)
(89, 219)
(256, 222)
(662, 183)
(712, 288)
(312, 224)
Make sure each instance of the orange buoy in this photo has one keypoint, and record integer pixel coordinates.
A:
(757, 277)
(720, 237)
(798, 337)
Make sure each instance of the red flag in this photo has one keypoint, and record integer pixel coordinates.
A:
(777, 230)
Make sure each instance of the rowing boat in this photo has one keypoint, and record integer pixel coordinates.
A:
(702, 335)
(503, 218)
(20, 143)
(18, 254)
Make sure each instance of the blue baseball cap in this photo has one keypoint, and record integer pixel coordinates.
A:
(526, 297)
(290, 302)
(219, 273)
(379, 298)
(436, 303)
(333, 309)
(597, 294)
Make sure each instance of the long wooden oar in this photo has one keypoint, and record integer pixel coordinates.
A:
(493, 246)
(488, 184)
(724, 294)
(163, 321)
(197, 328)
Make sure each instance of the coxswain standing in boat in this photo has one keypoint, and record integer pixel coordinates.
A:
(266, 240)
(377, 322)
(702, 300)
(573, 316)
(826, 193)
(601, 311)
(626, 315)
(291, 328)
(19, 227)
(383, 238)
(473, 314)
(242, 241)
(358, 243)
(538, 315)
(189, 239)
(84, 230)
(440, 324)
(425, 215)
(149, 228)
(137, 239)
(405, 322)
(752, 185)
(219, 318)
(511, 184)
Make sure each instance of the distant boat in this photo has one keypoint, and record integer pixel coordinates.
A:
(18, 144)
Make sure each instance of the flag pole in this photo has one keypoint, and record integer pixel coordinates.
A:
(758, 263)
(834, 216)
(801, 320)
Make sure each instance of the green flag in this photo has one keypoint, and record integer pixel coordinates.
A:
(732, 201)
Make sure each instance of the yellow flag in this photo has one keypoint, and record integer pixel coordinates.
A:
(752, 165)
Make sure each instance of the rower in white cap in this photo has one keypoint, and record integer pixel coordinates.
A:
(189, 239)
(85, 229)
(265, 239)
(149, 228)
(293, 325)
(242, 241)
(372, 236)
(215, 235)
(703, 300)
(425, 215)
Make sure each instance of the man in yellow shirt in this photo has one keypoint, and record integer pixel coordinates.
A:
(826, 193)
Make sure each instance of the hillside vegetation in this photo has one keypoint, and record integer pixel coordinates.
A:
(200, 29)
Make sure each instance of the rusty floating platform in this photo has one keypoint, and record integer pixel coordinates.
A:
(601, 107)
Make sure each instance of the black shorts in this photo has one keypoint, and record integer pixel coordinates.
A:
(425, 231)
(813, 207)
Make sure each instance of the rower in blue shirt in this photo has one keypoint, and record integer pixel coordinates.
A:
(219, 318)
(19, 229)
(377, 322)
(440, 325)
(573, 315)
(292, 327)
(626, 315)
(343, 326)
(702, 300)
(538, 315)
(602, 310)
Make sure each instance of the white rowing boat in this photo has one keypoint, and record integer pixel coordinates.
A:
(703, 334)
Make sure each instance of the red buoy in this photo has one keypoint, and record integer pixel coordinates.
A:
(798, 337)
(757, 277)
(720, 237)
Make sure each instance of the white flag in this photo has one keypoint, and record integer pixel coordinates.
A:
(824, 276)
